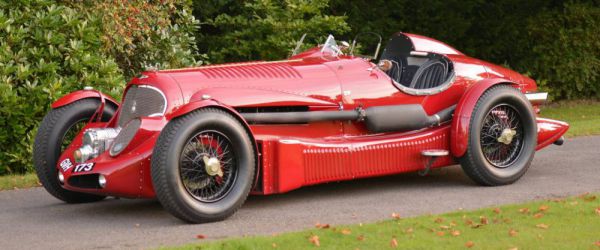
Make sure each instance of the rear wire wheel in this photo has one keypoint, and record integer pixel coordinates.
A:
(203, 166)
(502, 137)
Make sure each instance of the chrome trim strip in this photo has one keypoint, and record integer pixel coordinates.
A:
(163, 96)
(537, 98)
(418, 53)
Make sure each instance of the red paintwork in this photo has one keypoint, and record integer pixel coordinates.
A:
(292, 156)
(81, 94)
(422, 43)
(549, 131)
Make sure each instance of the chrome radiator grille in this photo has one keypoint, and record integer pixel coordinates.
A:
(140, 101)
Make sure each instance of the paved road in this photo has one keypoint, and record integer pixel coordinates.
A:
(32, 219)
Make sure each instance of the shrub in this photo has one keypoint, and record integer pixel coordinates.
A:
(141, 33)
(262, 29)
(46, 51)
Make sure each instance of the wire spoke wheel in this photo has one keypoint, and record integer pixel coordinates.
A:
(502, 136)
(208, 167)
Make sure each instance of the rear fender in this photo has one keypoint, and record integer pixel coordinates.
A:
(211, 103)
(459, 135)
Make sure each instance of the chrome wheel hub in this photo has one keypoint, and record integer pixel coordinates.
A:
(213, 166)
(507, 136)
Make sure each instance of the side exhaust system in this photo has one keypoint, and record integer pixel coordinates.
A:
(377, 119)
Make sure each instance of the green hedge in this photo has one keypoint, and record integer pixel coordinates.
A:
(50, 48)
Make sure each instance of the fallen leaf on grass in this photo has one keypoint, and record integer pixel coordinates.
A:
(444, 227)
(455, 233)
(497, 210)
(512, 233)
(394, 243)
(589, 198)
(274, 245)
(543, 208)
(360, 237)
(200, 236)
(439, 220)
(346, 231)
(453, 223)
(409, 230)
(598, 210)
(484, 220)
(542, 226)
(597, 243)
(468, 222)
(322, 226)
(440, 233)
(469, 244)
(524, 210)
(538, 215)
(396, 216)
(314, 239)
(513, 248)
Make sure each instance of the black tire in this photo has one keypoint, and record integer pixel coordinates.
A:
(49, 140)
(489, 160)
(170, 156)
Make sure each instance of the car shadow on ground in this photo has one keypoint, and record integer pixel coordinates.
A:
(150, 211)
(438, 178)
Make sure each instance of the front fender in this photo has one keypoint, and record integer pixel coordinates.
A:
(82, 94)
(211, 103)
(459, 135)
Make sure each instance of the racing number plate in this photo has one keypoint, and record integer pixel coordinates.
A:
(84, 167)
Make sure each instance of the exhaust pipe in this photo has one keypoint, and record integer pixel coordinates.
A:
(560, 141)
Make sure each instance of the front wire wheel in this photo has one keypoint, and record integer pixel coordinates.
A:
(56, 132)
(203, 166)
(208, 166)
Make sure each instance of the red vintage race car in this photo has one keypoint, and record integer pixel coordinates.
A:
(202, 139)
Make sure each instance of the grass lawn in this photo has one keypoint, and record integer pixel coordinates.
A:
(583, 116)
(572, 223)
(9, 182)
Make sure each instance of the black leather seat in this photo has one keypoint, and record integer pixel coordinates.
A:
(430, 75)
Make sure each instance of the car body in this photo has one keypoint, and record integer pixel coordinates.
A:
(307, 116)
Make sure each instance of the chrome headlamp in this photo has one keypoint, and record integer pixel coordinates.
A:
(95, 141)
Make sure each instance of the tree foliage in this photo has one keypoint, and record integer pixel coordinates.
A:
(568, 49)
(141, 33)
(262, 29)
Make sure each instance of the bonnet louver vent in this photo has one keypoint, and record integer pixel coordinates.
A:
(258, 70)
